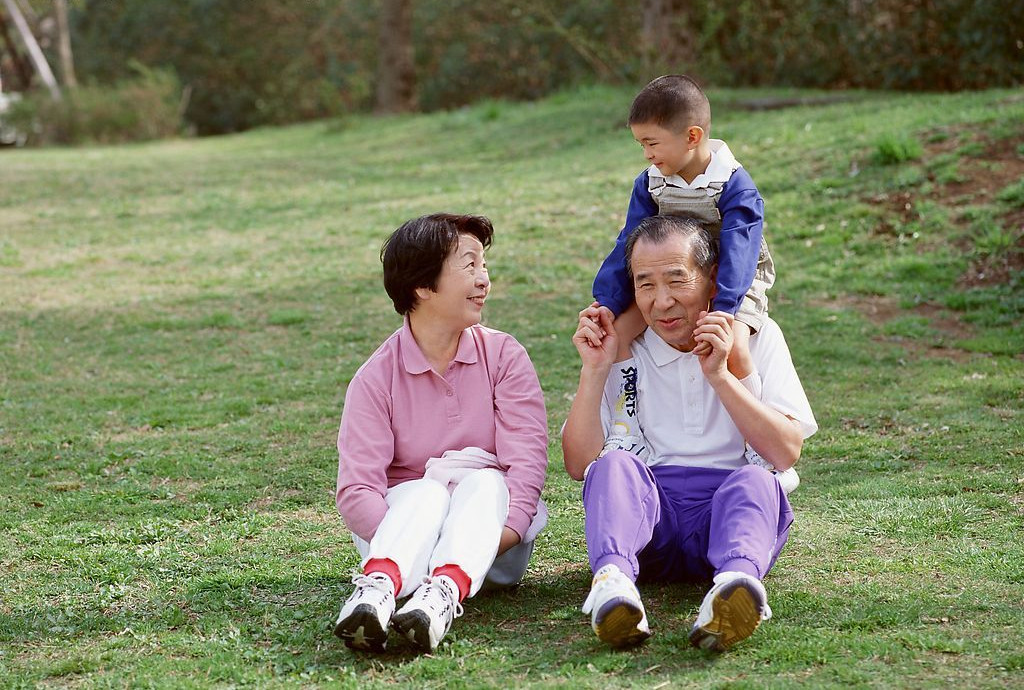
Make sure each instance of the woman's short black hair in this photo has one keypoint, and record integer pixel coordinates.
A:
(414, 254)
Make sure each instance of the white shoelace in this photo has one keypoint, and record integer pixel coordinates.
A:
(449, 599)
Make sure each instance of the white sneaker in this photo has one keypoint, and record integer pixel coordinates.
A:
(730, 612)
(364, 617)
(788, 479)
(616, 612)
(427, 617)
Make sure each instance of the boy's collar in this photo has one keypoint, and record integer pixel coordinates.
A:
(723, 164)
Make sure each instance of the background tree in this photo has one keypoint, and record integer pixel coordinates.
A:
(67, 61)
(256, 62)
(396, 67)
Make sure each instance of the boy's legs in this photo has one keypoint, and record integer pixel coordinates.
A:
(628, 325)
(460, 559)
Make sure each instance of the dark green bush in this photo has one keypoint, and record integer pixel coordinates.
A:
(255, 62)
(145, 107)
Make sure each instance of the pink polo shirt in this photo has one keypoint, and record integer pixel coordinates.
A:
(399, 413)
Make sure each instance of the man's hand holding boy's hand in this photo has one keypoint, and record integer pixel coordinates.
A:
(714, 336)
(595, 337)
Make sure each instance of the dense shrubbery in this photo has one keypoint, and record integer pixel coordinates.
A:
(254, 62)
(144, 107)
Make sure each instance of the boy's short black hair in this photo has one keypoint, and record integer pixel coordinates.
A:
(674, 102)
(657, 229)
(415, 253)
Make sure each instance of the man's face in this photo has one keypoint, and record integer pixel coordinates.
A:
(670, 289)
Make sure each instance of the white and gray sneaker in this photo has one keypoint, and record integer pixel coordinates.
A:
(731, 611)
(364, 617)
(616, 612)
(427, 617)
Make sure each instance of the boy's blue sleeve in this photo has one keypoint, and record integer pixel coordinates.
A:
(612, 287)
(742, 210)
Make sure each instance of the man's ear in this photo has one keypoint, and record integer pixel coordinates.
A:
(714, 282)
(695, 135)
(423, 294)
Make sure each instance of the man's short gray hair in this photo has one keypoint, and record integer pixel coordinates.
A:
(657, 229)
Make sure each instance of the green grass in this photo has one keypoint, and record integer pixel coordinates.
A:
(179, 320)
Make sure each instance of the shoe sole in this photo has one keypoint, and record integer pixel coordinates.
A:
(736, 613)
(415, 627)
(617, 622)
(362, 631)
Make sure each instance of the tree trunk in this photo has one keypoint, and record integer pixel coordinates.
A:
(34, 51)
(22, 70)
(396, 70)
(667, 44)
(67, 62)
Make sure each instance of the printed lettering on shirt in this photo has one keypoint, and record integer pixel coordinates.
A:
(629, 390)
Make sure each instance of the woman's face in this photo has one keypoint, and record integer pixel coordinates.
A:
(462, 287)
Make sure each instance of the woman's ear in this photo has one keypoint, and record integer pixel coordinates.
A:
(423, 294)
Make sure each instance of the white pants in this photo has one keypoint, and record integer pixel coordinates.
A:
(425, 528)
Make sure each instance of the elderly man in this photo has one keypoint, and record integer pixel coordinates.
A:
(677, 501)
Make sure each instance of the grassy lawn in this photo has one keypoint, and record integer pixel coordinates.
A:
(179, 320)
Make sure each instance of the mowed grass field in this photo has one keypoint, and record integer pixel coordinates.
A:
(179, 320)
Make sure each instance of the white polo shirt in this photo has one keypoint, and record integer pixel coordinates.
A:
(679, 412)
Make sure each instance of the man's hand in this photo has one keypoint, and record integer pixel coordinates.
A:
(714, 337)
(595, 337)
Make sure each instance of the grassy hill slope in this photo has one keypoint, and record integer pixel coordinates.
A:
(178, 322)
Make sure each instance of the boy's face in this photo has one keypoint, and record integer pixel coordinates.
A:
(673, 153)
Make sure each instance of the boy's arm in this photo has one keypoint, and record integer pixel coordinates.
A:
(612, 287)
(742, 210)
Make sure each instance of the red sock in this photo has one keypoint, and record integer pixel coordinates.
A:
(458, 575)
(387, 567)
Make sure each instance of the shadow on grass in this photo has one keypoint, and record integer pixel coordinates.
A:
(537, 630)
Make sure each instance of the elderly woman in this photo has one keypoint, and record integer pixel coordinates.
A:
(442, 451)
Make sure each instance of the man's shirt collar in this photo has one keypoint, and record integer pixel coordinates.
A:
(661, 352)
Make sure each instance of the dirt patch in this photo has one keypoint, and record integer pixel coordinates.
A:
(882, 310)
(983, 168)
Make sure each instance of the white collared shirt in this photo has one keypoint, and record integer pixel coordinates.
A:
(682, 418)
(719, 170)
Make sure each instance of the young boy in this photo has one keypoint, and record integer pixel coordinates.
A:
(695, 176)
(698, 177)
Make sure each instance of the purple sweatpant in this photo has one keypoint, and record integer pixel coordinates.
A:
(672, 523)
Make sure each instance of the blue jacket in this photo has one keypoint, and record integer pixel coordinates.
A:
(742, 211)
